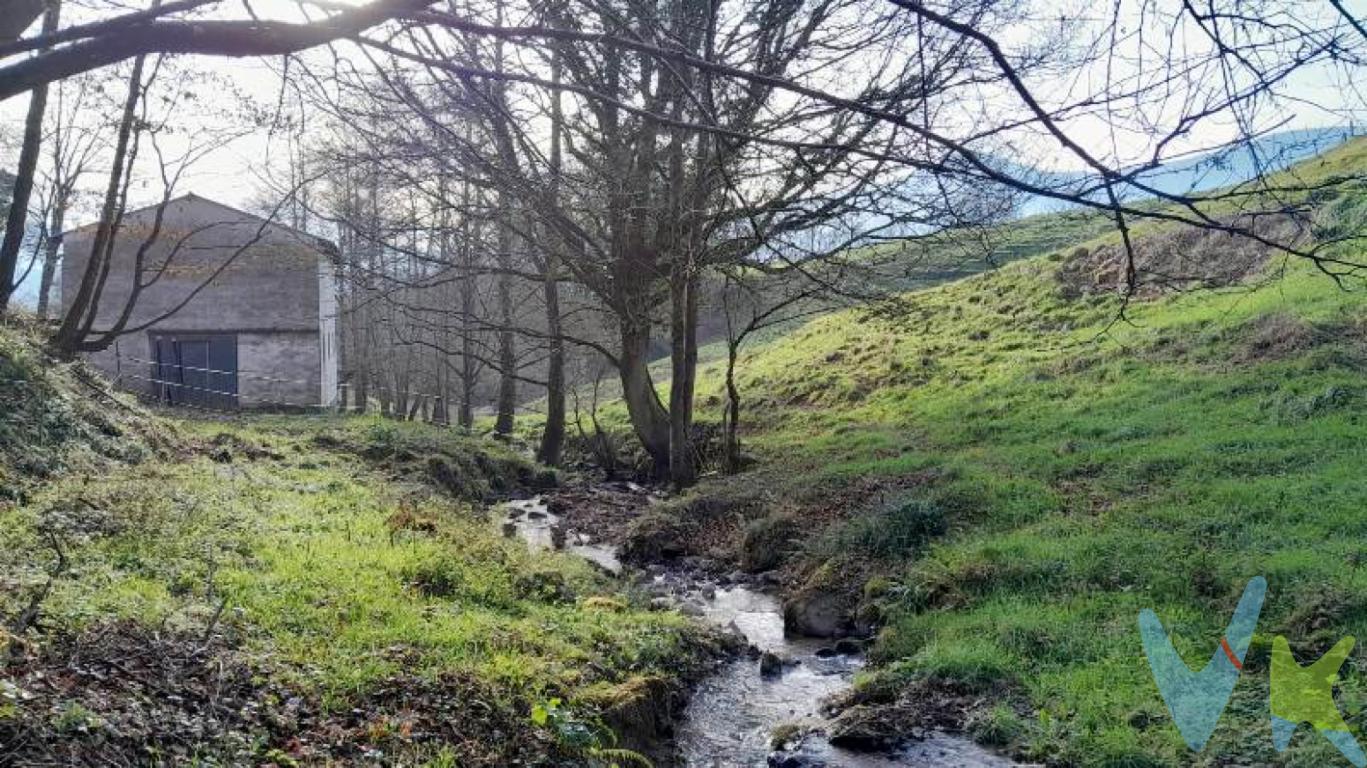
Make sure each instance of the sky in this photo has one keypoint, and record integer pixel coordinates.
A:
(236, 171)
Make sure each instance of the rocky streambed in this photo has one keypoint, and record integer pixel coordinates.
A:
(768, 706)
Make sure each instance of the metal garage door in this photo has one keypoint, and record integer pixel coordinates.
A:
(196, 369)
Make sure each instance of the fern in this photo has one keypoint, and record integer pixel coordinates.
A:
(617, 758)
(585, 739)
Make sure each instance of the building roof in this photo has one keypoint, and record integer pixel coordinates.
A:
(323, 244)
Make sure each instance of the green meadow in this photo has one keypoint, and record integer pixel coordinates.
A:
(315, 552)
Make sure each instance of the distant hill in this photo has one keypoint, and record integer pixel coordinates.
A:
(1274, 152)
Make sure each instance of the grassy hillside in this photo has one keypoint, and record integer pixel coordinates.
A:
(916, 264)
(59, 416)
(1007, 475)
(303, 589)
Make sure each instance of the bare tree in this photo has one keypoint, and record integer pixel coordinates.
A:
(95, 317)
(694, 142)
(80, 314)
(73, 148)
(17, 218)
(672, 200)
(553, 434)
(749, 309)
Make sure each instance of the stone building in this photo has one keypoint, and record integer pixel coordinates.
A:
(229, 310)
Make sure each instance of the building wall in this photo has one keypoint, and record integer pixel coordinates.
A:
(233, 275)
(275, 370)
(279, 370)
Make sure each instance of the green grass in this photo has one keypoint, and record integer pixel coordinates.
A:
(336, 577)
(1087, 469)
(58, 416)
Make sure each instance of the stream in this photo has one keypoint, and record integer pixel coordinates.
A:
(731, 715)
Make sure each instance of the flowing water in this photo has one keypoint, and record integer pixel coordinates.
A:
(731, 715)
(531, 520)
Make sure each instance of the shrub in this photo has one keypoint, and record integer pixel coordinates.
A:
(995, 727)
(892, 531)
(436, 577)
(977, 666)
(766, 541)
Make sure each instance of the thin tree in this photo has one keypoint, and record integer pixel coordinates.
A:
(16, 221)
(72, 151)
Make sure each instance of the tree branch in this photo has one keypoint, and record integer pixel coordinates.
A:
(117, 41)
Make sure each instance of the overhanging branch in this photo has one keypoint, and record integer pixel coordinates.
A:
(118, 40)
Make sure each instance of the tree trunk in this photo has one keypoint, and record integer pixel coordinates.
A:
(507, 354)
(467, 396)
(467, 353)
(683, 471)
(362, 390)
(399, 386)
(361, 346)
(468, 287)
(553, 433)
(54, 242)
(71, 331)
(23, 180)
(732, 410)
(648, 416)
